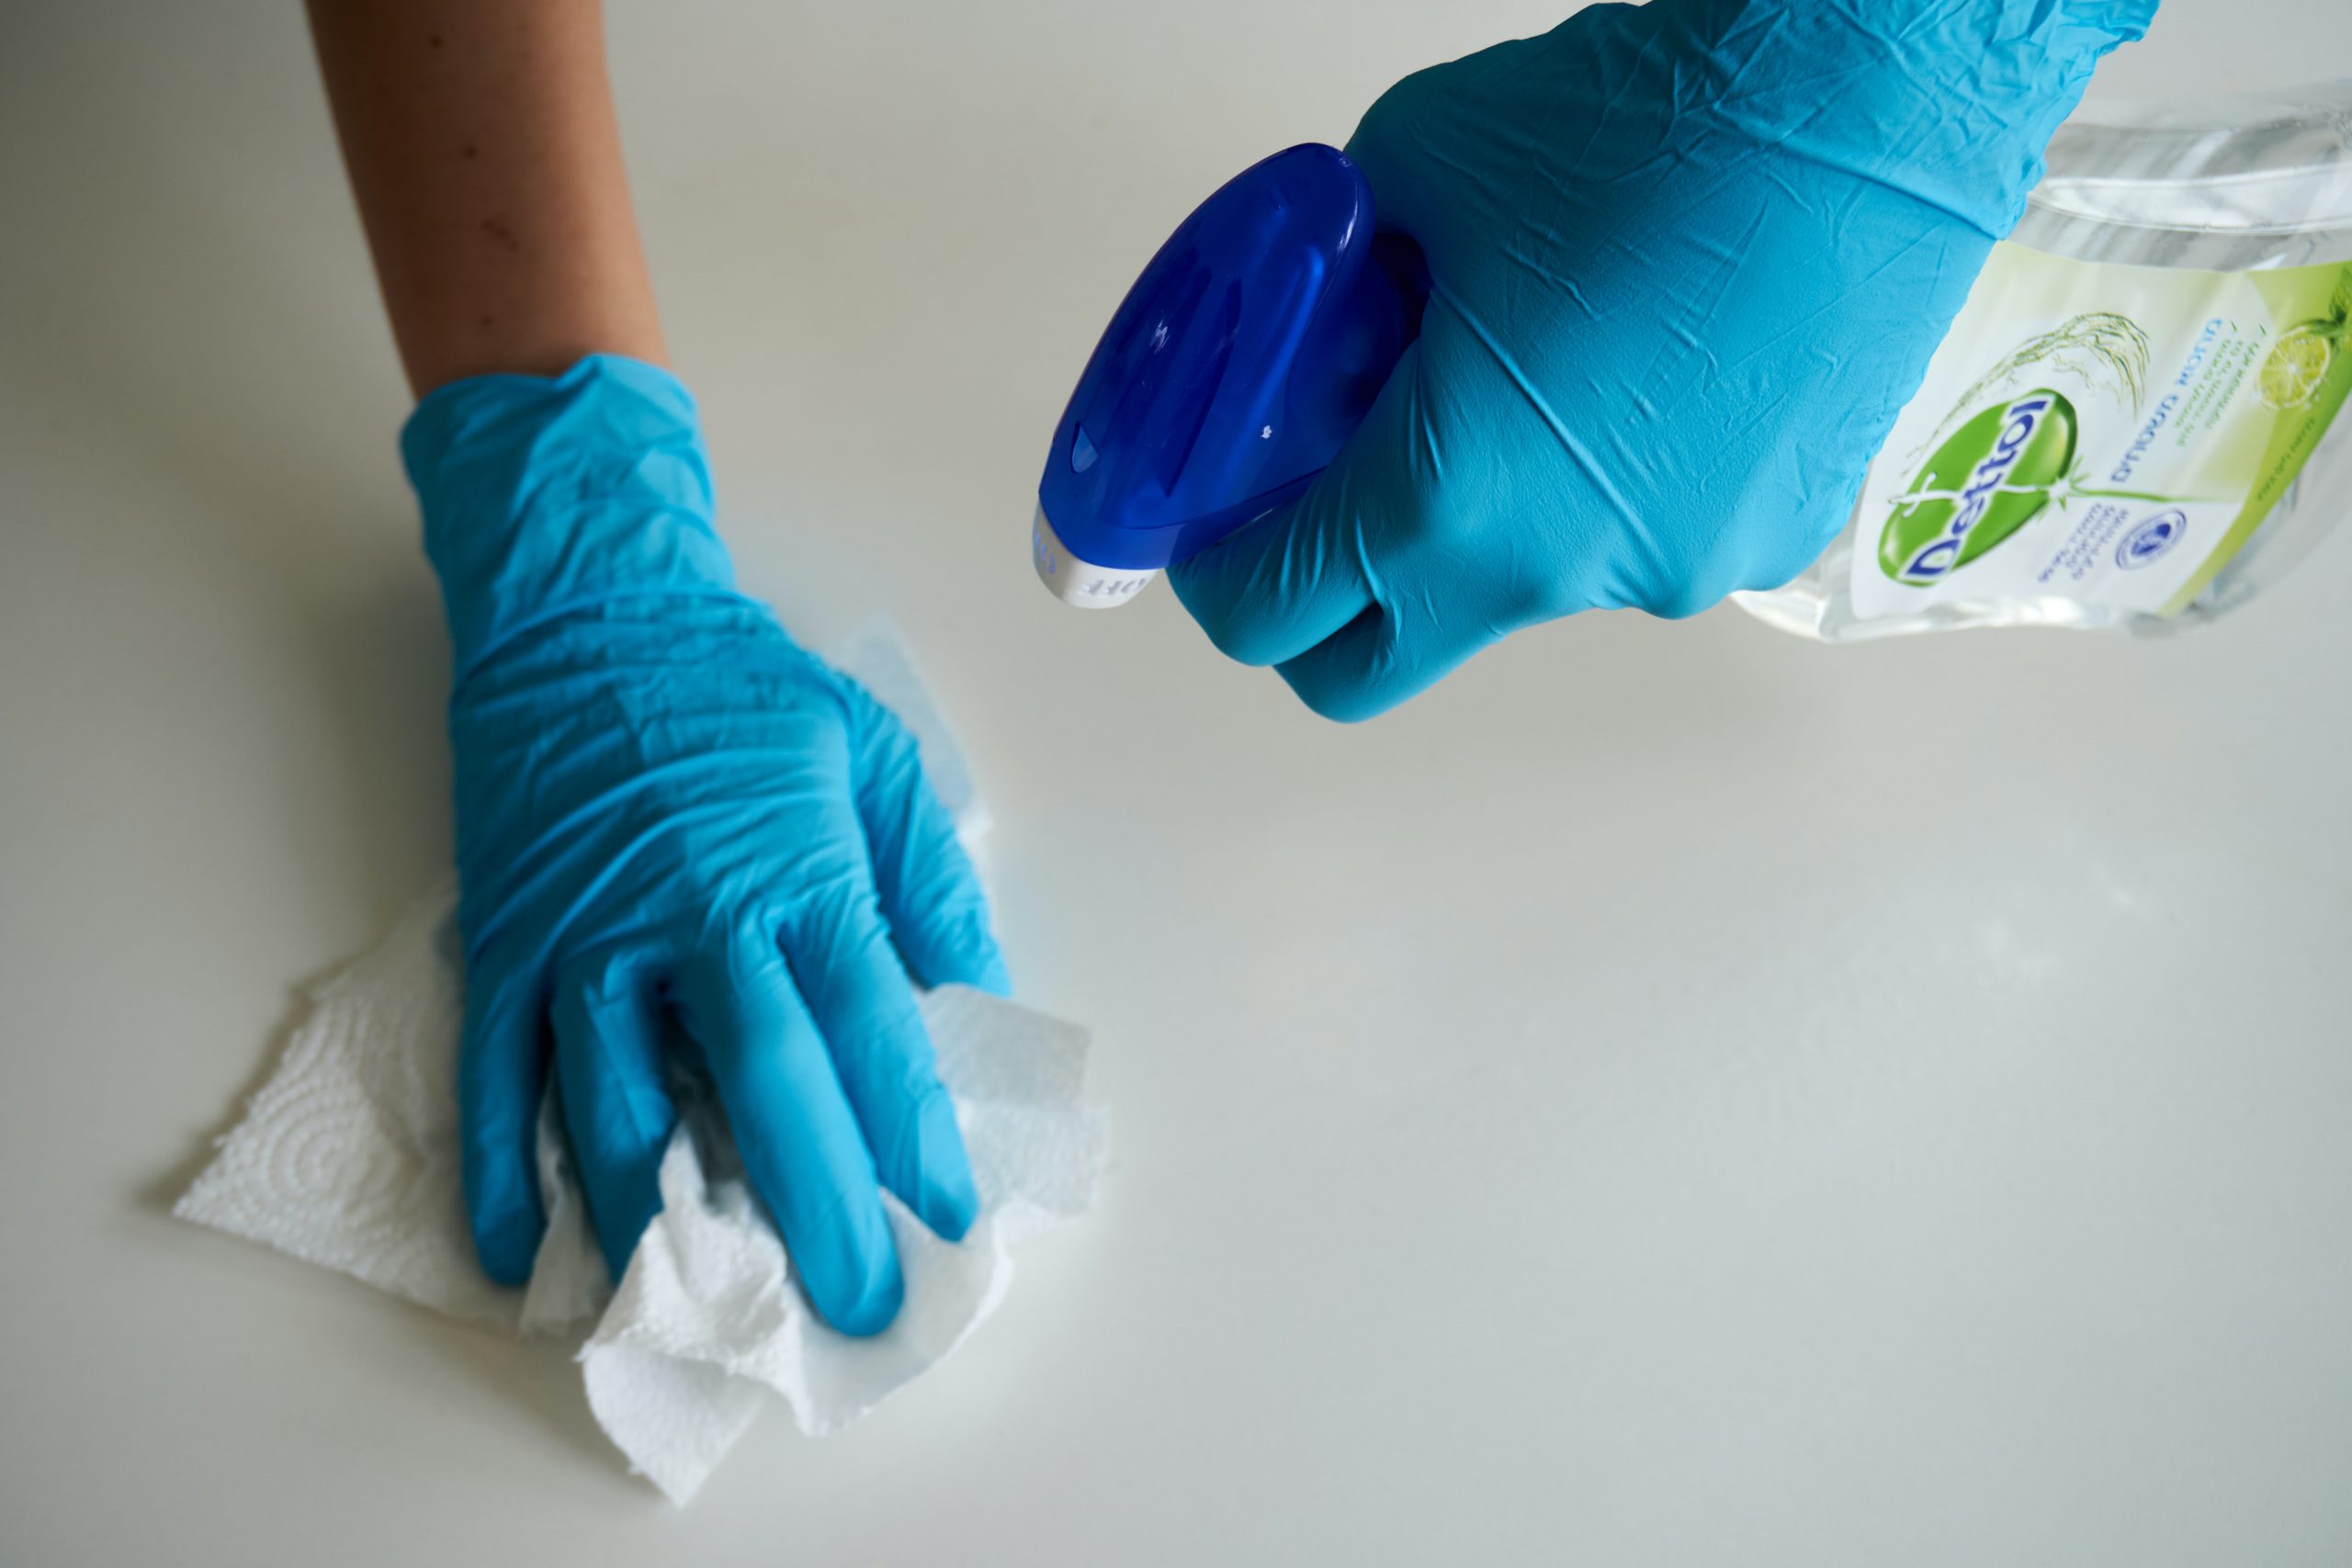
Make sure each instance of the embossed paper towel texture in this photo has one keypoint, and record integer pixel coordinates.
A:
(348, 1157)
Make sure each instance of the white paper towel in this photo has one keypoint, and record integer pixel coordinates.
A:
(348, 1157)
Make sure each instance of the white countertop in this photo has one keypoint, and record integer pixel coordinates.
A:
(1674, 1095)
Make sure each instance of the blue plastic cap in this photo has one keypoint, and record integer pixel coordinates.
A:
(1236, 368)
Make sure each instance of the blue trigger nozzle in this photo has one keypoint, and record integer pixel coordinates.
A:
(1237, 365)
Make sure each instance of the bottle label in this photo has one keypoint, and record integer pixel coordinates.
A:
(2098, 432)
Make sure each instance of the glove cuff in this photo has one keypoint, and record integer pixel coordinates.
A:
(543, 495)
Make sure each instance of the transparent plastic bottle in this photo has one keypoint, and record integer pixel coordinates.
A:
(2220, 187)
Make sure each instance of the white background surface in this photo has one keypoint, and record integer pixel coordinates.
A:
(1675, 1094)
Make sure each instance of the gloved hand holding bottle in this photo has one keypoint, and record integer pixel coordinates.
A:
(667, 812)
(1687, 261)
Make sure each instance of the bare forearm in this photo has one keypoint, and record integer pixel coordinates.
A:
(483, 147)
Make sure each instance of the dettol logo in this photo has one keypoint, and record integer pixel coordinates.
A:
(1994, 474)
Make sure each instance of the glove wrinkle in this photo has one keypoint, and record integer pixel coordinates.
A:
(1687, 263)
(657, 795)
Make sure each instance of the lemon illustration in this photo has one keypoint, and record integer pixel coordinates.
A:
(2297, 364)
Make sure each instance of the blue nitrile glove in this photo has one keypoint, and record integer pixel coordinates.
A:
(1687, 261)
(666, 806)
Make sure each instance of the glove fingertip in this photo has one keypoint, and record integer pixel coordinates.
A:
(950, 944)
(851, 1269)
(507, 1241)
(993, 976)
(621, 1225)
(1341, 695)
(503, 1204)
(977, 962)
(945, 1197)
(1213, 587)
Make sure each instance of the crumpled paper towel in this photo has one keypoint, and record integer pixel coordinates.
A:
(348, 1157)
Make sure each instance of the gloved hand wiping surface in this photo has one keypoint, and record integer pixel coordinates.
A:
(665, 804)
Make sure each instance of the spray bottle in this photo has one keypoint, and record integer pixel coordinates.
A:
(2131, 424)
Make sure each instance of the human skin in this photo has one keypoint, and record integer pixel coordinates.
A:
(484, 153)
